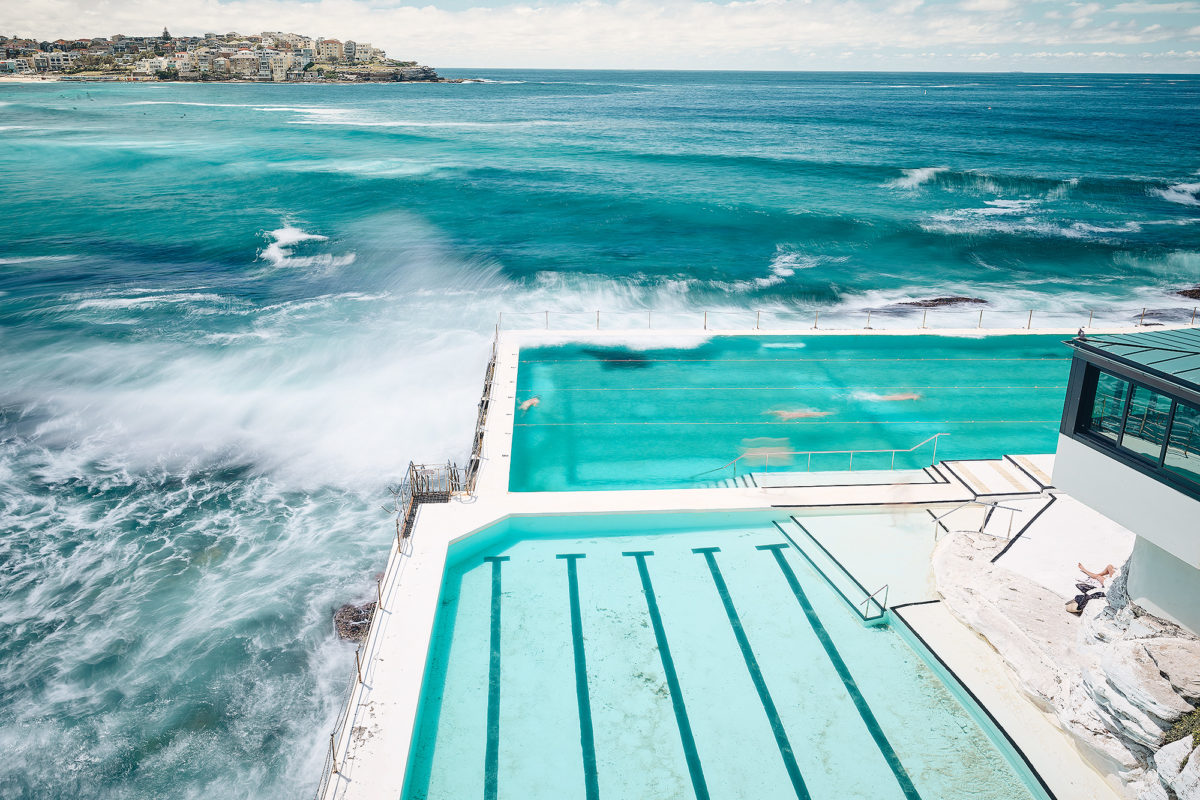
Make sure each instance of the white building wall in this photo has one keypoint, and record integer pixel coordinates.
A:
(1164, 585)
(1164, 570)
(1167, 517)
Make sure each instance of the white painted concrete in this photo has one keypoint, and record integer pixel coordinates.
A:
(979, 668)
(1064, 535)
(1164, 585)
(1164, 516)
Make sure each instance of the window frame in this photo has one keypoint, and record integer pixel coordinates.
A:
(1078, 412)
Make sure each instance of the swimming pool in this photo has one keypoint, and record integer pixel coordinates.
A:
(620, 418)
(675, 656)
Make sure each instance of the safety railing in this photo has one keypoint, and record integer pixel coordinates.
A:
(339, 737)
(790, 455)
(896, 317)
(871, 609)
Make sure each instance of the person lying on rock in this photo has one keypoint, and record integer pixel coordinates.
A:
(1095, 580)
(1101, 576)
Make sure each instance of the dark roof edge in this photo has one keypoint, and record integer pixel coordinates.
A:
(1134, 366)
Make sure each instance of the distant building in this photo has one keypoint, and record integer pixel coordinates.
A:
(330, 49)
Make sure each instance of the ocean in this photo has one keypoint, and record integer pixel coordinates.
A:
(231, 314)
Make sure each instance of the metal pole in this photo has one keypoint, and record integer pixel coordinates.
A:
(852, 461)
(1029, 323)
(893, 459)
(358, 664)
(868, 319)
(933, 460)
(816, 320)
(333, 754)
(1142, 318)
(547, 320)
(379, 595)
(980, 325)
(924, 314)
(597, 319)
(648, 325)
(758, 318)
(809, 467)
(1091, 316)
(1193, 322)
(705, 320)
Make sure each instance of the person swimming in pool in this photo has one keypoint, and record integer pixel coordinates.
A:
(530, 403)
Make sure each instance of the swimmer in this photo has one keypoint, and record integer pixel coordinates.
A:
(528, 404)
(800, 413)
(886, 398)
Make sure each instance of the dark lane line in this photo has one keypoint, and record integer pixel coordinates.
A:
(587, 741)
(491, 758)
(764, 695)
(860, 703)
(664, 652)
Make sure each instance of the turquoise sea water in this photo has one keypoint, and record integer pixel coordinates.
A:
(230, 314)
(610, 659)
(620, 418)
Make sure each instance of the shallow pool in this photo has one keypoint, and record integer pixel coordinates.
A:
(677, 657)
(619, 418)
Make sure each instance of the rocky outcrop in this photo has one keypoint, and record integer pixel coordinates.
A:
(1191, 294)
(1115, 679)
(353, 622)
(1178, 767)
(940, 302)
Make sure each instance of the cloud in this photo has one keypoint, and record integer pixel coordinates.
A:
(699, 34)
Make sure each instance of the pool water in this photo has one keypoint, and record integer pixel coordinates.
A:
(620, 418)
(623, 657)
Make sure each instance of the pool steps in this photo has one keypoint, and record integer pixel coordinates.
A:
(871, 607)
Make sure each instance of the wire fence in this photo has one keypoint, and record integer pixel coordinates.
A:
(898, 317)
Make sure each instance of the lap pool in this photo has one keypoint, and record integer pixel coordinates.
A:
(621, 418)
(680, 656)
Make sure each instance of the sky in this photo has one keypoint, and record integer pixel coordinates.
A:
(919, 35)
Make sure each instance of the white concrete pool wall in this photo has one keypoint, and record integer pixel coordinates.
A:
(372, 749)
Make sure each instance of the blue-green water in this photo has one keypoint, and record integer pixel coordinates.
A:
(619, 418)
(230, 314)
(671, 657)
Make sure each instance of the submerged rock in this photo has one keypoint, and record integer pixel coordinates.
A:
(1191, 294)
(352, 622)
(939, 302)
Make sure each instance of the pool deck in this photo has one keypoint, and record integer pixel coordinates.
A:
(373, 747)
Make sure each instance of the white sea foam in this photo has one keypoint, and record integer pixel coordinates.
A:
(142, 301)
(284, 241)
(785, 264)
(33, 259)
(1187, 194)
(185, 103)
(916, 177)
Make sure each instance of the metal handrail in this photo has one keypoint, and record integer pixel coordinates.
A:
(872, 598)
(811, 453)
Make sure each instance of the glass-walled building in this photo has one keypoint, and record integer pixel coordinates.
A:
(1129, 446)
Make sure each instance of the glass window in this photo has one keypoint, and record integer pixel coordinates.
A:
(1146, 424)
(1108, 406)
(1183, 448)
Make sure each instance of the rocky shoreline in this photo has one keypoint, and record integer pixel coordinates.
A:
(1115, 680)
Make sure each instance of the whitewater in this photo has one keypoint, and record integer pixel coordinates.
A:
(230, 315)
